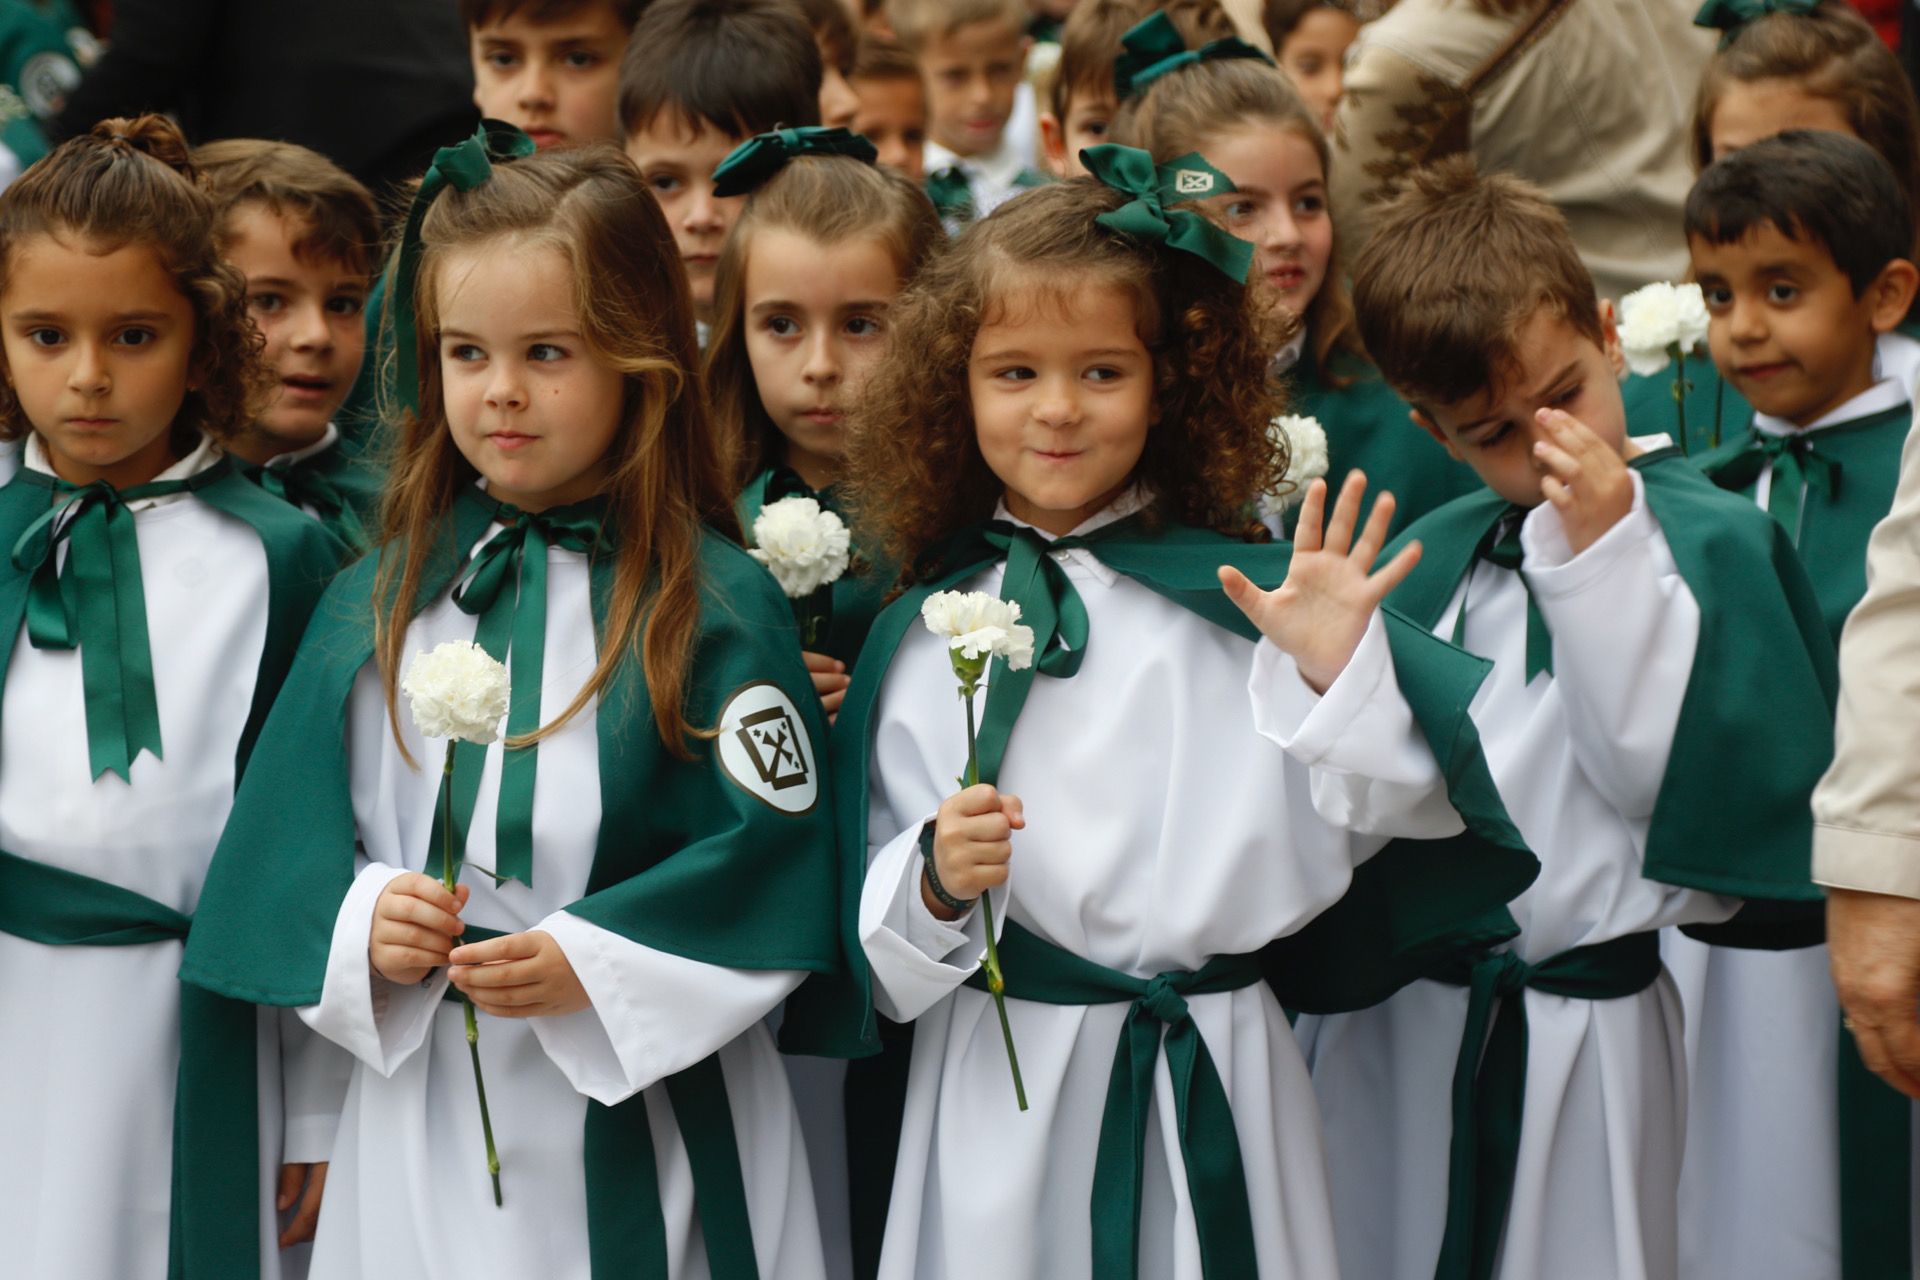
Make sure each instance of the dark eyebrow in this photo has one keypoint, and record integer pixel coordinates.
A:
(1572, 368)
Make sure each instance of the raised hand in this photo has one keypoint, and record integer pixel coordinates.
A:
(1586, 479)
(1318, 615)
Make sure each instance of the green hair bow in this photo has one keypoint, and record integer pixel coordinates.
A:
(1728, 16)
(1154, 47)
(464, 166)
(1153, 187)
(749, 165)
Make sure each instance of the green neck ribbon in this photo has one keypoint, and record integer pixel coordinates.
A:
(1501, 546)
(750, 165)
(1797, 463)
(464, 166)
(1153, 47)
(96, 604)
(302, 485)
(1148, 217)
(1728, 16)
(513, 629)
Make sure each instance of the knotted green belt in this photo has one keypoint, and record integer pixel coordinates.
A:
(626, 1231)
(1489, 1087)
(215, 1227)
(1037, 970)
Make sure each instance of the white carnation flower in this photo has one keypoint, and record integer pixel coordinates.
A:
(804, 546)
(1306, 445)
(1658, 318)
(457, 691)
(977, 626)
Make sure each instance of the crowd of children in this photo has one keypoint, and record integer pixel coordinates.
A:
(442, 834)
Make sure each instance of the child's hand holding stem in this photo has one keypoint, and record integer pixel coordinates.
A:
(415, 921)
(972, 843)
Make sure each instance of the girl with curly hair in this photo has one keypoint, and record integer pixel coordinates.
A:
(1073, 415)
(162, 595)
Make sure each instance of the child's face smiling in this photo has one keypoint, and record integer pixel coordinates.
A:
(893, 116)
(309, 312)
(1555, 367)
(815, 318)
(1784, 325)
(1281, 206)
(677, 159)
(99, 351)
(559, 80)
(1062, 392)
(972, 76)
(528, 404)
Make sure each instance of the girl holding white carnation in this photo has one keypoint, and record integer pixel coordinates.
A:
(643, 860)
(1247, 118)
(1073, 415)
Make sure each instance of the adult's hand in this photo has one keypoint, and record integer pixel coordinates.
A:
(1874, 942)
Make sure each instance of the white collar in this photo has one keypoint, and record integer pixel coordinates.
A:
(1896, 364)
(1133, 500)
(1289, 355)
(997, 169)
(205, 455)
(328, 438)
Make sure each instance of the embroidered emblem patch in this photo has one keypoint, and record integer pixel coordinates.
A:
(764, 750)
(45, 81)
(1192, 182)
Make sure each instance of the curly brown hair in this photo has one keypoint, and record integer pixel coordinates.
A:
(131, 182)
(915, 471)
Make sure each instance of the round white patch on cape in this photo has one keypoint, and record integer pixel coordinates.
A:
(764, 749)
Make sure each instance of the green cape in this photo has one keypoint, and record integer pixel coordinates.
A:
(856, 596)
(687, 862)
(1715, 411)
(1409, 903)
(349, 484)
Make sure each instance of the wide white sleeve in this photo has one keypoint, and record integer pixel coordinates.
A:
(379, 1022)
(1372, 770)
(653, 1012)
(1625, 628)
(314, 1073)
(917, 959)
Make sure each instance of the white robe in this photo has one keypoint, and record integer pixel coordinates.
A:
(90, 1035)
(1760, 1190)
(408, 1194)
(1578, 756)
(1161, 831)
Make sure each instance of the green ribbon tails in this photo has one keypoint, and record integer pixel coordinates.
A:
(749, 166)
(306, 486)
(1150, 218)
(1797, 462)
(464, 167)
(1500, 546)
(95, 603)
(513, 629)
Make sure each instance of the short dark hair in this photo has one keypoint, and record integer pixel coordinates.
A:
(475, 13)
(742, 66)
(1808, 184)
(832, 30)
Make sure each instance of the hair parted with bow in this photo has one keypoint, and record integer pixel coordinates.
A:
(1155, 47)
(464, 166)
(749, 166)
(1728, 16)
(1154, 188)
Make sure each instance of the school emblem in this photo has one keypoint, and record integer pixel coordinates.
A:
(1192, 182)
(764, 749)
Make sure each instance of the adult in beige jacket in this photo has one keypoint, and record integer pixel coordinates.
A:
(1588, 99)
(1866, 843)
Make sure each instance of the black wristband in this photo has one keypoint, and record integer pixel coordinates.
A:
(945, 899)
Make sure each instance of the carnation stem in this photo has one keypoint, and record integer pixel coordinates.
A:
(1680, 393)
(996, 981)
(447, 876)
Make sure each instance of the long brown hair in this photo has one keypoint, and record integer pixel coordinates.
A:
(668, 470)
(1182, 110)
(130, 182)
(830, 200)
(915, 471)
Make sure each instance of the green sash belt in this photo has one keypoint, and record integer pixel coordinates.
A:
(215, 1225)
(1037, 970)
(626, 1232)
(1490, 1076)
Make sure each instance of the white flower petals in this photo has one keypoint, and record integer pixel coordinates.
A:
(457, 691)
(1306, 444)
(803, 546)
(1658, 318)
(977, 625)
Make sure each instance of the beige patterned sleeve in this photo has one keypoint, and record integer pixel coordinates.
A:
(1394, 117)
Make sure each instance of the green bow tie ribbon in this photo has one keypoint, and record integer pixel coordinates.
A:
(97, 604)
(1728, 16)
(951, 192)
(513, 629)
(1153, 47)
(1153, 188)
(303, 486)
(1797, 463)
(1501, 546)
(464, 167)
(749, 165)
